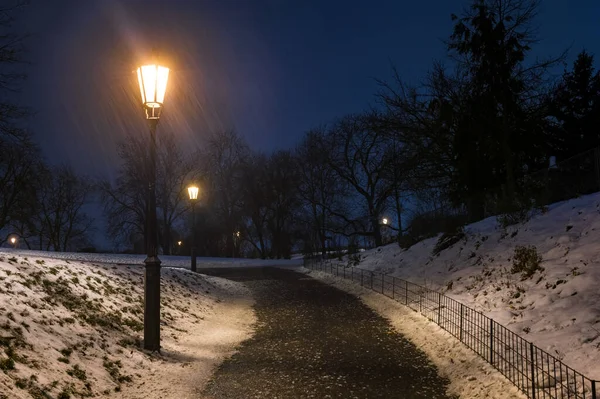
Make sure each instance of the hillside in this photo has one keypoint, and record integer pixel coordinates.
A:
(557, 308)
(73, 329)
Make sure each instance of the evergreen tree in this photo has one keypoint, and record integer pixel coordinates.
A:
(575, 108)
(501, 127)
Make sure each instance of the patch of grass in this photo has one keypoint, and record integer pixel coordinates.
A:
(77, 372)
(114, 369)
(7, 364)
(526, 261)
(448, 239)
(22, 383)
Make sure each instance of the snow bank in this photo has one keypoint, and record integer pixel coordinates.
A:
(71, 329)
(167, 260)
(469, 375)
(558, 309)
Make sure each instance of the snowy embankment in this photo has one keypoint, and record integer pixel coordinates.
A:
(557, 308)
(470, 376)
(74, 329)
(166, 260)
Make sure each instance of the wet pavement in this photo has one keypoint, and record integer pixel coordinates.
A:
(315, 341)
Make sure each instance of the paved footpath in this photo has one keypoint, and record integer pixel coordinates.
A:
(315, 341)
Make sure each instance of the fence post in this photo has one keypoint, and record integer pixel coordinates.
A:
(439, 309)
(491, 342)
(594, 389)
(597, 166)
(532, 371)
(462, 315)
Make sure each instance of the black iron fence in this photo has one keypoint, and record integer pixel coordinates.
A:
(534, 371)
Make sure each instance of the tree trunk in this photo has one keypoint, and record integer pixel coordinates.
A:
(376, 231)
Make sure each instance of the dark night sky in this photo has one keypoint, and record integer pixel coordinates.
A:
(271, 69)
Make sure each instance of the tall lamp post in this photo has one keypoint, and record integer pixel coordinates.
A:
(153, 85)
(193, 193)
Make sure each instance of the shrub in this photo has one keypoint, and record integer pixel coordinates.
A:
(448, 239)
(514, 211)
(406, 241)
(526, 261)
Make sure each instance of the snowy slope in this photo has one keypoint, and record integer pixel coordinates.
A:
(167, 260)
(73, 329)
(558, 309)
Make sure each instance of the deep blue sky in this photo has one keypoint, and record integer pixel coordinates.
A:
(271, 69)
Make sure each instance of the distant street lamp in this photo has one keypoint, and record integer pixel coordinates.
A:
(193, 193)
(153, 85)
(384, 221)
(13, 241)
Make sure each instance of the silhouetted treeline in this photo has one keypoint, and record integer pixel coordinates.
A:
(459, 143)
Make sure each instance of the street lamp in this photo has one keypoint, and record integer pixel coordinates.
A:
(153, 85)
(13, 241)
(193, 193)
(384, 221)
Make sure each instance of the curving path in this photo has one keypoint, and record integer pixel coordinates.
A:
(315, 341)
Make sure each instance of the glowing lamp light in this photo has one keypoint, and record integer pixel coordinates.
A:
(13, 240)
(193, 192)
(153, 86)
(237, 234)
(384, 221)
(179, 243)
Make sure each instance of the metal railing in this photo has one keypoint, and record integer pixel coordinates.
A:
(534, 371)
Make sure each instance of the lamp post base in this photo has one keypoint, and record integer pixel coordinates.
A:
(193, 253)
(152, 304)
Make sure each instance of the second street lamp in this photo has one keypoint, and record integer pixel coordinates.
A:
(193, 193)
(153, 85)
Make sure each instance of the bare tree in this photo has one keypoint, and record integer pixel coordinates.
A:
(321, 191)
(282, 180)
(224, 160)
(359, 156)
(64, 223)
(256, 210)
(125, 200)
(19, 156)
(175, 170)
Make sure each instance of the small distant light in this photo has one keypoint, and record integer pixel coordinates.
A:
(179, 243)
(13, 240)
(384, 221)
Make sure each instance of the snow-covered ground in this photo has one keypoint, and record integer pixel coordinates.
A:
(469, 375)
(72, 328)
(558, 308)
(167, 260)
